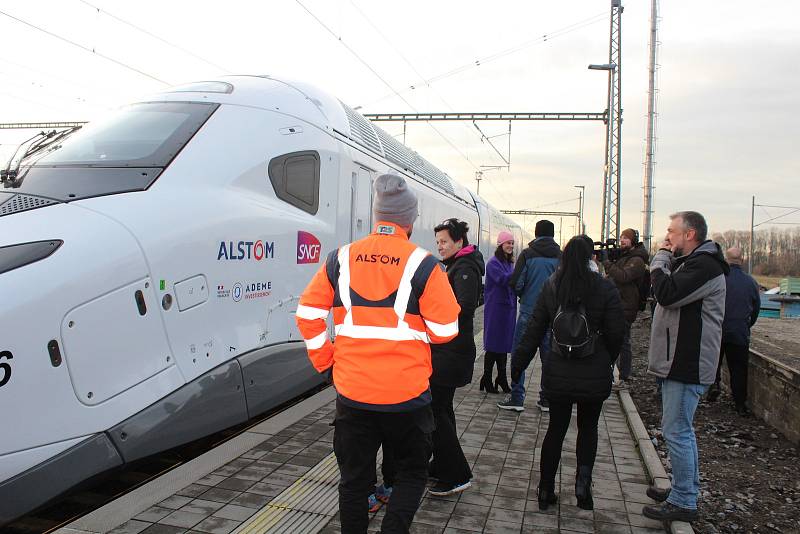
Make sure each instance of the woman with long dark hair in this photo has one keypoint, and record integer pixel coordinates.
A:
(453, 361)
(499, 314)
(584, 314)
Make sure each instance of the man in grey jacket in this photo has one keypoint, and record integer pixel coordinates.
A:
(688, 278)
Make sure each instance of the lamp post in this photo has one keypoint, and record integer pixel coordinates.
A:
(611, 154)
(581, 194)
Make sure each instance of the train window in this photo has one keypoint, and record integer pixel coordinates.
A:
(141, 135)
(295, 179)
(125, 152)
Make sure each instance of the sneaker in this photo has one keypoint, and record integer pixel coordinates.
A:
(543, 405)
(383, 493)
(619, 385)
(374, 504)
(510, 404)
(669, 512)
(713, 393)
(440, 489)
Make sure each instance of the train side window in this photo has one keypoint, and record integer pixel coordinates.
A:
(295, 179)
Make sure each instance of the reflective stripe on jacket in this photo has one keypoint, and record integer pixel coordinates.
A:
(390, 299)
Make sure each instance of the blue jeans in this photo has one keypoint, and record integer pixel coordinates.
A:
(518, 388)
(679, 402)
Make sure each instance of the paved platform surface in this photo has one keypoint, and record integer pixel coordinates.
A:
(502, 446)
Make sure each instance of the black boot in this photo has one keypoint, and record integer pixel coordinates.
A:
(502, 379)
(486, 379)
(583, 487)
(546, 494)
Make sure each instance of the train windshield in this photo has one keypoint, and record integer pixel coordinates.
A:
(126, 152)
(140, 135)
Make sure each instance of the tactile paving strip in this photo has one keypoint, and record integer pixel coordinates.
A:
(305, 506)
(309, 504)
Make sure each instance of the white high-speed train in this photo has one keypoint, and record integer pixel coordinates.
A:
(151, 264)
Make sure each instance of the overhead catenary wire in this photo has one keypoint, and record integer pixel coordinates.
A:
(600, 17)
(154, 36)
(84, 48)
(50, 75)
(382, 79)
(413, 68)
(29, 101)
(408, 62)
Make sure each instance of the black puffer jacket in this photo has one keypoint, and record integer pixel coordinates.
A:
(453, 361)
(586, 379)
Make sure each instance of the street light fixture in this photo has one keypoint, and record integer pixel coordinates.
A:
(603, 66)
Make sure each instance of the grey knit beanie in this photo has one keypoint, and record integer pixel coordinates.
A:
(394, 201)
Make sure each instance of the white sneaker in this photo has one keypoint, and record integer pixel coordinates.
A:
(442, 489)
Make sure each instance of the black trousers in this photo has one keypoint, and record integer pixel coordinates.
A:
(356, 439)
(586, 445)
(388, 469)
(738, 358)
(450, 465)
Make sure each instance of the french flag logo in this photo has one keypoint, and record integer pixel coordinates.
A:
(308, 248)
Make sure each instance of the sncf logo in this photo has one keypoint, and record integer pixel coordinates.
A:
(308, 248)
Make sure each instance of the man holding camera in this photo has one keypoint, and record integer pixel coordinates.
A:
(627, 270)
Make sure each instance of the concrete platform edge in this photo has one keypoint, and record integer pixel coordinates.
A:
(652, 462)
(126, 507)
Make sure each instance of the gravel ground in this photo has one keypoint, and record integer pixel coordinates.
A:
(778, 339)
(750, 479)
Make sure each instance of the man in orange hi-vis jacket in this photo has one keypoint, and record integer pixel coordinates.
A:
(390, 300)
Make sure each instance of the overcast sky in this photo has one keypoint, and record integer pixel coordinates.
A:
(728, 101)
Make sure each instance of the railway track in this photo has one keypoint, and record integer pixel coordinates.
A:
(98, 491)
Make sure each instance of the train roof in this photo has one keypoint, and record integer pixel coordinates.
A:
(316, 106)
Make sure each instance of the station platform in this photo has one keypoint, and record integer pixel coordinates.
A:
(281, 476)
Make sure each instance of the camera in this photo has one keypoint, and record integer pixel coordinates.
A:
(607, 250)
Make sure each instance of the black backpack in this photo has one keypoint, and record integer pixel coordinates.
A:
(571, 335)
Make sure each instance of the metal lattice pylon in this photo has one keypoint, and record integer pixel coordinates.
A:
(611, 170)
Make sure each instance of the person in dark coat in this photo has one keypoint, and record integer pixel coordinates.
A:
(742, 304)
(499, 314)
(627, 272)
(584, 381)
(453, 361)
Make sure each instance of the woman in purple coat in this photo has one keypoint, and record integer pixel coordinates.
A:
(499, 314)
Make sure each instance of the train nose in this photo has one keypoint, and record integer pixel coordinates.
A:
(79, 325)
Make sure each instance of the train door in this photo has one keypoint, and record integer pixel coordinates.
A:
(360, 204)
(484, 239)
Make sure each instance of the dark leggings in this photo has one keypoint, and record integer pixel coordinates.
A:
(499, 358)
(586, 446)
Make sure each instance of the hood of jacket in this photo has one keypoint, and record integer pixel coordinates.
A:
(468, 256)
(544, 247)
(710, 248)
(637, 251)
